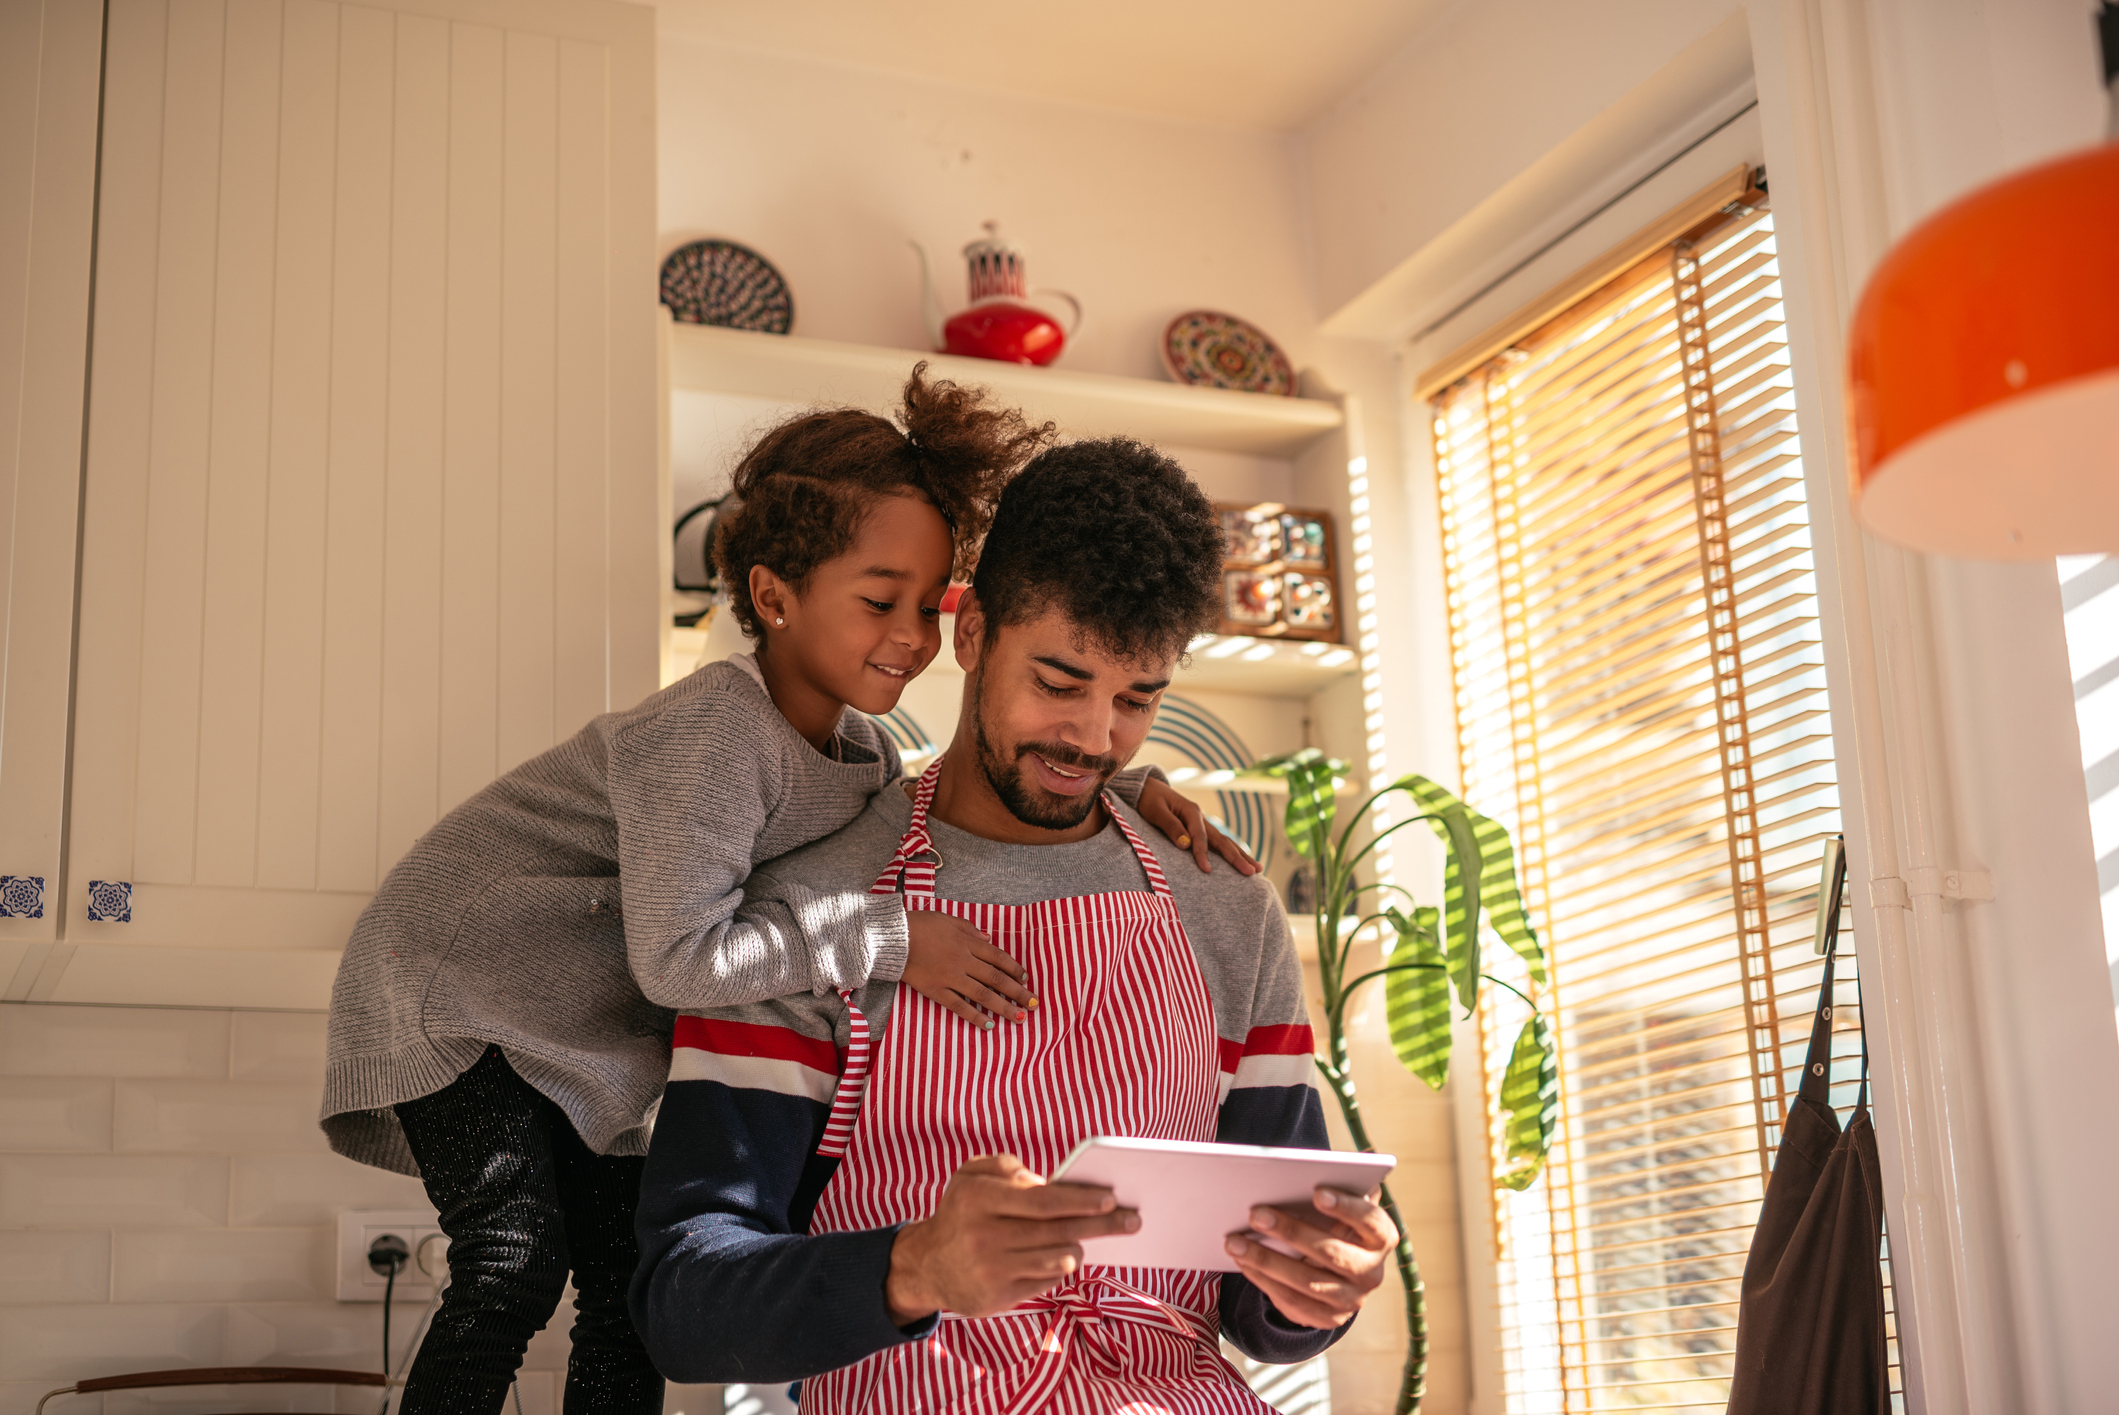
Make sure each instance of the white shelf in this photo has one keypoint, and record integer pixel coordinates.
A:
(1273, 668)
(712, 360)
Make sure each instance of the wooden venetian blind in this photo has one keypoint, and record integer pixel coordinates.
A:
(1641, 695)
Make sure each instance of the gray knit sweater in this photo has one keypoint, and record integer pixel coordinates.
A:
(568, 910)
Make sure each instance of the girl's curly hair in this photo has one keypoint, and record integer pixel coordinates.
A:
(801, 492)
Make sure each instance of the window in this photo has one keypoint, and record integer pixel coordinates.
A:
(1641, 698)
(2089, 591)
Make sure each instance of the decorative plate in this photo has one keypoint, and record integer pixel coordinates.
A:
(1213, 350)
(720, 282)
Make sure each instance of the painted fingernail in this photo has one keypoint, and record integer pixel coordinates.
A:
(1184, 842)
(1326, 1199)
(1264, 1218)
(985, 1024)
(1033, 1002)
(1237, 1247)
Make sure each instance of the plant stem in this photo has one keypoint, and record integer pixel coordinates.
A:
(1412, 1382)
(1332, 954)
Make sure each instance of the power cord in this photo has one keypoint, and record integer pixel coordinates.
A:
(388, 1255)
(433, 1260)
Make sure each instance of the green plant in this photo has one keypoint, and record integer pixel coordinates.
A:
(1428, 950)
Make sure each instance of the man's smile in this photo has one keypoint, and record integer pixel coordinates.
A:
(1061, 780)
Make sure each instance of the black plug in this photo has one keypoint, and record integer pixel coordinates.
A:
(388, 1255)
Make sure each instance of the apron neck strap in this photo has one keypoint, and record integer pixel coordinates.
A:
(911, 870)
(1817, 1063)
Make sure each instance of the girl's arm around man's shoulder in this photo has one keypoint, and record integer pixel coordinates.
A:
(692, 789)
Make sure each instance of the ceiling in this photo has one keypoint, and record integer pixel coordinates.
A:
(1258, 64)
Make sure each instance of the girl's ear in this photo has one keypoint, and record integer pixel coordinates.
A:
(771, 596)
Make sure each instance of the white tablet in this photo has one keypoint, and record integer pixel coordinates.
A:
(1192, 1196)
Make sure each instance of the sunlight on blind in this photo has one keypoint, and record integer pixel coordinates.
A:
(1641, 697)
(2089, 591)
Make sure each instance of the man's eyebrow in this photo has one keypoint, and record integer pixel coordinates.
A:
(1083, 675)
(1060, 665)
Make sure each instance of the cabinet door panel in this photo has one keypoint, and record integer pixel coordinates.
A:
(349, 769)
(357, 477)
(49, 52)
(290, 706)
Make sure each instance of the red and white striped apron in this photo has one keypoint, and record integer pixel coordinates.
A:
(1122, 1042)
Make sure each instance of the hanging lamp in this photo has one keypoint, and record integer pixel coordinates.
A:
(1983, 371)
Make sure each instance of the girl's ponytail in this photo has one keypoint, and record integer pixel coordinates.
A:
(801, 491)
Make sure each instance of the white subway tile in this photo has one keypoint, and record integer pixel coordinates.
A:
(277, 1046)
(21, 1397)
(225, 1400)
(54, 1113)
(691, 1400)
(249, 1117)
(65, 1344)
(45, 1039)
(269, 1190)
(37, 1267)
(540, 1392)
(347, 1335)
(224, 1265)
(123, 1191)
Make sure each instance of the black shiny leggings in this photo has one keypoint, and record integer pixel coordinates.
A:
(523, 1200)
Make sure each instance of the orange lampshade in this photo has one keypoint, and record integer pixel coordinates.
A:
(1983, 371)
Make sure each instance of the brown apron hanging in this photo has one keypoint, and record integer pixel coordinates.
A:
(1810, 1332)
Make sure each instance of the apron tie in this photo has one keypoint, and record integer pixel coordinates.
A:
(1080, 1317)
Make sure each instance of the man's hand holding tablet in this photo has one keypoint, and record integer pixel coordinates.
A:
(1340, 1242)
(1003, 1234)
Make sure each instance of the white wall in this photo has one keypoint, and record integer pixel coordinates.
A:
(829, 171)
(167, 1200)
(1501, 91)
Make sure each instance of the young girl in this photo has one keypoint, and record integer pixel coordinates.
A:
(500, 1023)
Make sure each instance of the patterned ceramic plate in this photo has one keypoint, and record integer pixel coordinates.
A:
(720, 282)
(1214, 350)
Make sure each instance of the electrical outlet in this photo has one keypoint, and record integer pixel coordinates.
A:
(357, 1282)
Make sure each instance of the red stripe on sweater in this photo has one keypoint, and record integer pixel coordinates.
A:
(1279, 1041)
(1267, 1041)
(750, 1039)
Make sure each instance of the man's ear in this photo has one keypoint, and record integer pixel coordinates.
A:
(969, 638)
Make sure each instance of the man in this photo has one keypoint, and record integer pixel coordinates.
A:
(849, 1190)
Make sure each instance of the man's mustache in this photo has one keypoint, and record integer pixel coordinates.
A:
(1060, 754)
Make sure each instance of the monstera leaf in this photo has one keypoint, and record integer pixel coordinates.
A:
(1530, 1093)
(1416, 998)
(1481, 874)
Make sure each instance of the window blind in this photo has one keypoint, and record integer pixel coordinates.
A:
(1640, 695)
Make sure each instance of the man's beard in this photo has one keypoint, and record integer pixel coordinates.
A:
(1011, 780)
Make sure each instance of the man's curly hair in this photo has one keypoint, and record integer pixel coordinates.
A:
(1115, 535)
(801, 493)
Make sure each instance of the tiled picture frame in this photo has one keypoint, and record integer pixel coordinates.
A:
(1280, 572)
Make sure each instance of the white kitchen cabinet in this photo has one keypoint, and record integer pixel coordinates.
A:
(48, 59)
(370, 508)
